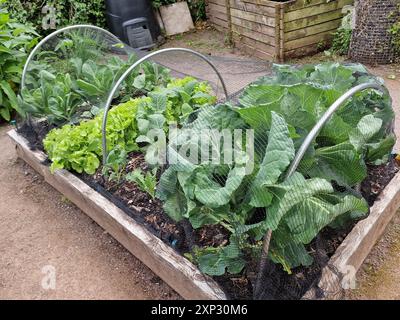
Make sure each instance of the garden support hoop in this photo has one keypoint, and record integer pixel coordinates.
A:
(299, 156)
(131, 68)
(55, 33)
(324, 119)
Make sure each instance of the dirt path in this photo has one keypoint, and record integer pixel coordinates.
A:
(41, 229)
(379, 277)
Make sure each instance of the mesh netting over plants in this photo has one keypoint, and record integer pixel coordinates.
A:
(372, 41)
(215, 177)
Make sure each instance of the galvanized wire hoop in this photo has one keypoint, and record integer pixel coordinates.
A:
(130, 69)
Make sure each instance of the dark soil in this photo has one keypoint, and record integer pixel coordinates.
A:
(35, 132)
(278, 283)
(378, 178)
(142, 207)
(181, 236)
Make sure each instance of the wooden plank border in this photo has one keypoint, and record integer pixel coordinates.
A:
(178, 272)
(349, 257)
(181, 274)
(293, 28)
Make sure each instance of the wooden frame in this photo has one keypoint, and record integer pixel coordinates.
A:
(181, 274)
(278, 30)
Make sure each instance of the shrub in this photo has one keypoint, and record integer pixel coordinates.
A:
(16, 42)
(66, 12)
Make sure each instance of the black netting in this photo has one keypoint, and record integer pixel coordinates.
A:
(372, 41)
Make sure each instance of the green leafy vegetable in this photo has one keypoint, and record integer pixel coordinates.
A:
(146, 182)
(281, 109)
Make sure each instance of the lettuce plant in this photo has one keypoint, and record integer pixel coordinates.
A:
(78, 147)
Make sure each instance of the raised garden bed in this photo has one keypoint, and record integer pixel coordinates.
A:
(176, 270)
(278, 30)
(262, 215)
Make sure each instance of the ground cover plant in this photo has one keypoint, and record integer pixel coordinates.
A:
(49, 15)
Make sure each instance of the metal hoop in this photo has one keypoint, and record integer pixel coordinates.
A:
(131, 68)
(55, 33)
(325, 118)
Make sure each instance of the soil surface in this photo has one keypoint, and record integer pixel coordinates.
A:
(41, 232)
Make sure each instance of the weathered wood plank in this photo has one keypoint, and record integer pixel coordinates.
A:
(265, 48)
(217, 8)
(312, 30)
(355, 248)
(219, 16)
(278, 49)
(218, 2)
(304, 51)
(252, 51)
(220, 27)
(261, 28)
(314, 20)
(310, 40)
(316, 10)
(267, 40)
(174, 269)
(268, 3)
(219, 24)
(301, 4)
(269, 21)
(253, 8)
